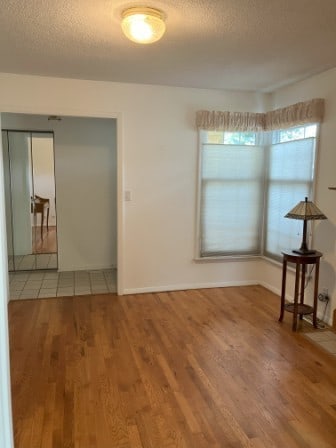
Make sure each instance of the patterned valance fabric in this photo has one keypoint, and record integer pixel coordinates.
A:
(297, 114)
(230, 121)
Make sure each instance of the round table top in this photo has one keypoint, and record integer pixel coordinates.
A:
(295, 257)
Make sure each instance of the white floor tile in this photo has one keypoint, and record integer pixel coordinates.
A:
(64, 294)
(17, 286)
(33, 284)
(99, 290)
(49, 283)
(51, 276)
(26, 298)
(65, 290)
(48, 291)
(27, 285)
(46, 294)
(33, 293)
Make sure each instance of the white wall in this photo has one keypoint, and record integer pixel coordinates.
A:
(158, 143)
(6, 431)
(85, 175)
(158, 140)
(320, 86)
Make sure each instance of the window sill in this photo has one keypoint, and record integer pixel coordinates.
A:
(278, 263)
(272, 261)
(228, 258)
(222, 258)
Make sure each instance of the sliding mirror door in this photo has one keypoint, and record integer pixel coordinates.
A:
(30, 200)
(8, 201)
(44, 201)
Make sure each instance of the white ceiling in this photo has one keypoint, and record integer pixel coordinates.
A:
(231, 44)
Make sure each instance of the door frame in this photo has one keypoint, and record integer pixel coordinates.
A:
(120, 181)
(6, 424)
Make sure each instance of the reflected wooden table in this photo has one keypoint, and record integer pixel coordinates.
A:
(40, 206)
(299, 307)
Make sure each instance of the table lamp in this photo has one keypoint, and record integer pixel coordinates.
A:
(306, 211)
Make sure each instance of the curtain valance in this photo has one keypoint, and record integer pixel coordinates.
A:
(230, 121)
(297, 114)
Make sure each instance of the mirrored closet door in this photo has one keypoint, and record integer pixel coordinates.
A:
(30, 200)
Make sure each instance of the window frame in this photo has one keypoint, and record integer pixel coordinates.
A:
(265, 139)
(198, 245)
(266, 255)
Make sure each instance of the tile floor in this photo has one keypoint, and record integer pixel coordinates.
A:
(32, 261)
(42, 284)
(325, 339)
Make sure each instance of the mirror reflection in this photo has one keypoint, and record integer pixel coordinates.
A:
(30, 200)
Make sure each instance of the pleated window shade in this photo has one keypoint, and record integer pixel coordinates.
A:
(290, 180)
(247, 188)
(231, 199)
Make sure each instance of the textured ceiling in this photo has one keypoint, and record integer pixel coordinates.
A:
(231, 44)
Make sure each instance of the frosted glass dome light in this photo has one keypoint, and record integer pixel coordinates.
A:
(143, 25)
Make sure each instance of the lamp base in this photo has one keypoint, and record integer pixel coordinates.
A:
(304, 251)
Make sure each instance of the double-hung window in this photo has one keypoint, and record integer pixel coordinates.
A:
(248, 182)
(231, 193)
(290, 175)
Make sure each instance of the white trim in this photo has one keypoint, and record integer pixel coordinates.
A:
(6, 428)
(290, 298)
(88, 268)
(73, 112)
(185, 286)
(265, 140)
(276, 291)
(202, 140)
(278, 264)
(120, 206)
(223, 258)
(197, 246)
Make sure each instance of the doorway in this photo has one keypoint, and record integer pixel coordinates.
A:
(85, 159)
(19, 121)
(30, 199)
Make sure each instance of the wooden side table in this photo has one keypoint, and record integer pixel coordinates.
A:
(38, 206)
(301, 261)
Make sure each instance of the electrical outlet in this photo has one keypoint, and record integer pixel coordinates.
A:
(323, 296)
(325, 291)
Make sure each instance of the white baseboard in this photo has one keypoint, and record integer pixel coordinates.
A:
(187, 286)
(273, 289)
(320, 315)
(87, 268)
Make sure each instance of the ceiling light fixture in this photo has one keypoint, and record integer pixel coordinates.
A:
(143, 25)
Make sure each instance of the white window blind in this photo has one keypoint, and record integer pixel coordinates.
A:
(231, 199)
(247, 188)
(290, 180)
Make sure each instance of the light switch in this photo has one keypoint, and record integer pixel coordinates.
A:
(128, 196)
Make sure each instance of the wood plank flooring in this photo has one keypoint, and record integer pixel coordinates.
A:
(187, 369)
(47, 245)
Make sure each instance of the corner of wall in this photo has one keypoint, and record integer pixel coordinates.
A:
(6, 429)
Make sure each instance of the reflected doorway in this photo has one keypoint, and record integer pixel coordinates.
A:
(30, 200)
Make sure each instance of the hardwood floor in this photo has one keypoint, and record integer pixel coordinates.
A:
(191, 369)
(47, 245)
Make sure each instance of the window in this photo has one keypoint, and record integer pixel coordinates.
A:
(290, 179)
(232, 177)
(247, 187)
